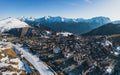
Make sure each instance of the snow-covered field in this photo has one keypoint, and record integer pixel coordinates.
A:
(10, 63)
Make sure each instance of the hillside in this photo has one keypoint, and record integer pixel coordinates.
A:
(108, 29)
(10, 62)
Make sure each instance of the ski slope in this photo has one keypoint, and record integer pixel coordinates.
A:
(34, 60)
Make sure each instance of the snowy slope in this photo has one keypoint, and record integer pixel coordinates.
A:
(38, 64)
(7, 60)
(10, 23)
(23, 18)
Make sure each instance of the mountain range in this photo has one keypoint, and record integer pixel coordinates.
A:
(78, 25)
(93, 26)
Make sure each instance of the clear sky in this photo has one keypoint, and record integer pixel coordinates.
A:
(64, 8)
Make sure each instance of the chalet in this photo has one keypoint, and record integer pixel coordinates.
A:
(56, 50)
(0, 38)
(68, 54)
(5, 35)
(4, 40)
(3, 69)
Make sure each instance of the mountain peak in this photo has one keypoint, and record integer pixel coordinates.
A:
(68, 24)
(100, 18)
(10, 23)
(47, 17)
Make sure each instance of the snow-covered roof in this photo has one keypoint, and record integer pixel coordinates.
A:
(118, 48)
(107, 43)
(109, 70)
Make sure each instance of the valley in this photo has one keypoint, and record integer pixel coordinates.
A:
(59, 37)
(40, 50)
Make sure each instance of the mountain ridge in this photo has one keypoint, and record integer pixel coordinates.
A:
(78, 25)
(107, 29)
(62, 19)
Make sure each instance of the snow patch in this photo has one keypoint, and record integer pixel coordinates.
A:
(20, 64)
(64, 33)
(109, 70)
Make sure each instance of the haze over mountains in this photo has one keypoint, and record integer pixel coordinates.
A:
(93, 26)
(58, 23)
(107, 29)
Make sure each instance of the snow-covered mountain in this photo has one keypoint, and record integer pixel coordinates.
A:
(73, 25)
(51, 19)
(10, 23)
(23, 18)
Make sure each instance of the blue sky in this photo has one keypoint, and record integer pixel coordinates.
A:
(64, 8)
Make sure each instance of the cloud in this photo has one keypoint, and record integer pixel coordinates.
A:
(89, 1)
(71, 3)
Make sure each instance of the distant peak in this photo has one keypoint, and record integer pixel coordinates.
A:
(51, 19)
(10, 19)
(116, 22)
(47, 17)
